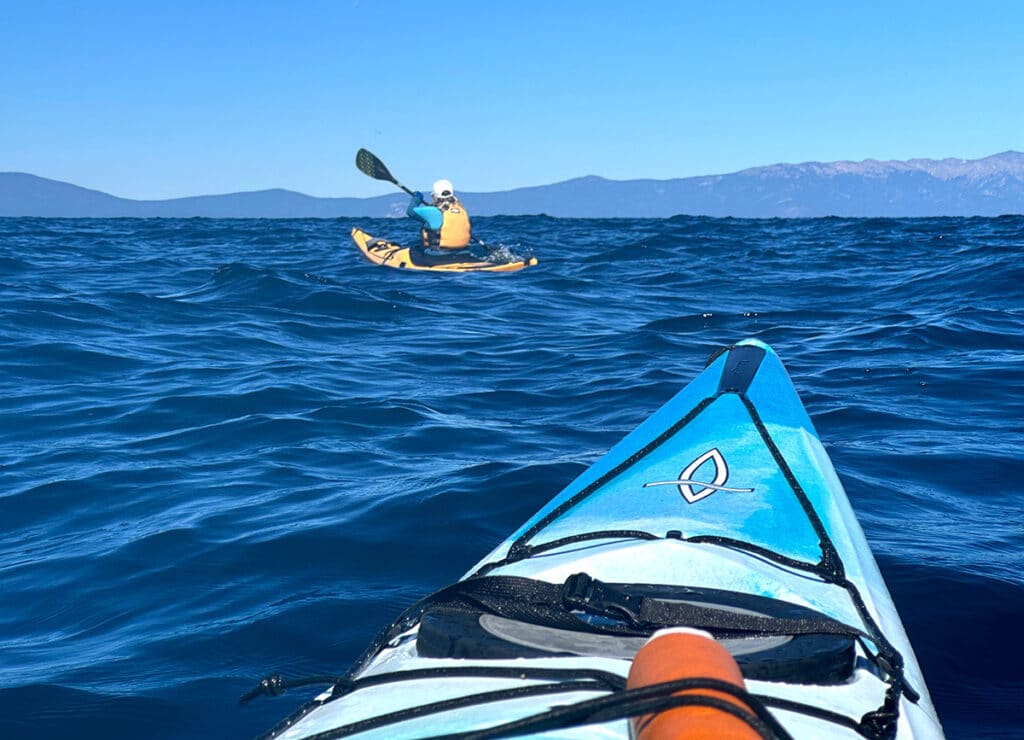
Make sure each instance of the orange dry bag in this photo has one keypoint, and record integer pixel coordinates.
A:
(674, 654)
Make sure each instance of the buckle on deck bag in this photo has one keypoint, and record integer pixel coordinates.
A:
(582, 593)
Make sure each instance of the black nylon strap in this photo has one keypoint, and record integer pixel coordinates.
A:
(633, 703)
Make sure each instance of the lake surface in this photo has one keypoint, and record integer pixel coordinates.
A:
(230, 448)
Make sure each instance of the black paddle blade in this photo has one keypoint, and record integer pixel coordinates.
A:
(370, 165)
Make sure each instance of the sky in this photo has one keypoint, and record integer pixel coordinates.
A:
(158, 100)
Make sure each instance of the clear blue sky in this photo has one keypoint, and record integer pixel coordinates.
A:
(156, 100)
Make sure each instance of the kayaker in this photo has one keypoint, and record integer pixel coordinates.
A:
(445, 222)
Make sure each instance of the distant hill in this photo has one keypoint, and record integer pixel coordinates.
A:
(919, 187)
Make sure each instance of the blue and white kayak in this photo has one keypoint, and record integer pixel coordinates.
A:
(721, 512)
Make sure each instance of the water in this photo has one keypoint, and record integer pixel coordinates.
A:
(231, 448)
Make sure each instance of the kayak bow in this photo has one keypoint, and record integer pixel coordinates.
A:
(721, 512)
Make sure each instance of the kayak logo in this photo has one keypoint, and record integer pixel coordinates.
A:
(686, 483)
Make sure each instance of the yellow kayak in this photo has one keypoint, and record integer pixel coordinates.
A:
(382, 252)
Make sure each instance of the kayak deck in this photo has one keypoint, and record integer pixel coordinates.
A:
(383, 252)
(722, 511)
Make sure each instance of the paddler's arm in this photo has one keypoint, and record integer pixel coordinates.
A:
(430, 216)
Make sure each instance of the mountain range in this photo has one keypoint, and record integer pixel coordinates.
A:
(990, 186)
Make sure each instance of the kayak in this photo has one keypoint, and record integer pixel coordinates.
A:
(721, 512)
(382, 252)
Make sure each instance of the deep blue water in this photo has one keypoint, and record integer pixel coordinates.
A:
(231, 447)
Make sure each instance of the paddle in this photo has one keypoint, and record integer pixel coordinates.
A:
(368, 164)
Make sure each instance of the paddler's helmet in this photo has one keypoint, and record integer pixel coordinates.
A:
(443, 190)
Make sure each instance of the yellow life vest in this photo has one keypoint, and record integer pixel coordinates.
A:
(454, 228)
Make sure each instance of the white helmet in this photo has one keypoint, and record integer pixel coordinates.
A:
(443, 190)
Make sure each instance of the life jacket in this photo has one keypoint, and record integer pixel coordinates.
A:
(455, 229)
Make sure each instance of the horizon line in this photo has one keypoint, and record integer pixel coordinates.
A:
(869, 160)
